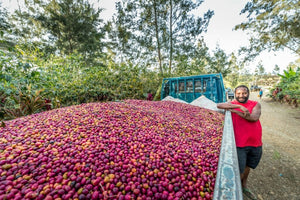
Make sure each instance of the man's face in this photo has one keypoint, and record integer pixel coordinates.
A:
(241, 95)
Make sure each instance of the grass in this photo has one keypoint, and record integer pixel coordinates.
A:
(276, 155)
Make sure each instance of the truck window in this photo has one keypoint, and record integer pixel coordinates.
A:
(181, 87)
(197, 86)
(166, 89)
(204, 85)
(174, 87)
(189, 86)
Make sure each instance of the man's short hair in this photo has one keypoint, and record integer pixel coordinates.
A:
(242, 86)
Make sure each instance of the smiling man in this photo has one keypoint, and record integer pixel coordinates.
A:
(247, 132)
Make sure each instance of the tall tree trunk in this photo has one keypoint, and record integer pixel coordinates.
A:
(157, 39)
(171, 37)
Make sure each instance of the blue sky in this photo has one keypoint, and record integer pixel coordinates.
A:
(220, 30)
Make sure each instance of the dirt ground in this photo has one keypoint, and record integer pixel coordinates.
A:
(277, 176)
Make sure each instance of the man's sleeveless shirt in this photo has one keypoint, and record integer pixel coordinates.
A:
(246, 133)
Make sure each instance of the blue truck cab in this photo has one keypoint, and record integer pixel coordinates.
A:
(190, 88)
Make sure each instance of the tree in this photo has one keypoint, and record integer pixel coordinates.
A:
(27, 34)
(276, 70)
(3, 20)
(290, 82)
(219, 62)
(273, 25)
(165, 31)
(234, 77)
(120, 36)
(260, 69)
(199, 61)
(184, 28)
(73, 26)
(5, 26)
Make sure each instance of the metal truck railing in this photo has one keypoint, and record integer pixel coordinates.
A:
(228, 182)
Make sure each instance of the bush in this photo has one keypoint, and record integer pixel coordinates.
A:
(288, 89)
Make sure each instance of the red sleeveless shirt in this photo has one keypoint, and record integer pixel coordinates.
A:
(246, 133)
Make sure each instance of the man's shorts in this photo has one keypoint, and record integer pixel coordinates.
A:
(248, 156)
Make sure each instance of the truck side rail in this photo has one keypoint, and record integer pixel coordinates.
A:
(228, 182)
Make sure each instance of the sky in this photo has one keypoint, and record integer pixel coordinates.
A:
(220, 30)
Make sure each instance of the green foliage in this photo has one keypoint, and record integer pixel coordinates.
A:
(195, 64)
(23, 103)
(121, 36)
(63, 26)
(288, 88)
(234, 77)
(219, 63)
(3, 97)
(276, 70)
(159, 34)
(57, 50)
(4, 27)
(68, 81)
(260, 70)
(290, 83)
(276, 155)
(273, 25)
(157, 95)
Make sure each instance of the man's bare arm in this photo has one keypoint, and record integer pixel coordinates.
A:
(232, 106)
(229, 106)
(255, 115)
